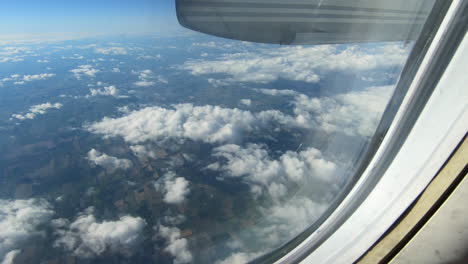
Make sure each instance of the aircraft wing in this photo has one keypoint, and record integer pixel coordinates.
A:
(306, 22)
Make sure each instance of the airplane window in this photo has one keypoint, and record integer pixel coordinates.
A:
(132, 132)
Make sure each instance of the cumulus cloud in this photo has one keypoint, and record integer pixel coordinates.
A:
(74, 57)
(281, 221)
(284, 216)
(28, 78)
(106, 91)
(143, 152)
(210, 44)
(111, 51)
(255, 167)
(18, 79)
(352, 113)
(12, 50)
(10, 256)
(84, 70)
(205, 123)
(276, 92)
(149, 57)
(36, 110)
(124, 109)
(289, 219)
(246, 102)
(108, 162)
(148, 78)
(218, 45)
(175, 188)
(175, 244)
(144, 83)
(87, 237)
(13, 54)
(20, 220)
(11, 59)
(298, 63)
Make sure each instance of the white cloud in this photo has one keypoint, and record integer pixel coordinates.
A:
(143, 152)
(107, 90)
(174, 220)
(20, 220)
(352, 113)
(246, 102)
(11, 50)
(144, 83)
(74, 57)
(18, 79)
(124, 109)
(289, 219)
(10, 257)
(276, 92)
(149, 57)
(210, 44)
(217, 45)
(86, 237)
(42, 76)
(13, 54)
(84, 70)
(216, 82)
(206, 123)
(255, 167)
(11, 59)
(175, 244)
(108, 162)
(280, 222)
(148, 78)
(175, 188)
(298, 63)
(36, 110)
(112, 51)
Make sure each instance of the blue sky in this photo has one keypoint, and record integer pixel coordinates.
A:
(86, 16)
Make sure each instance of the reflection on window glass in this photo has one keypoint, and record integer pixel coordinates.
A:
(139, 141)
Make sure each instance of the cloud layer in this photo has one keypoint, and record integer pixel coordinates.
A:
(298, 63)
